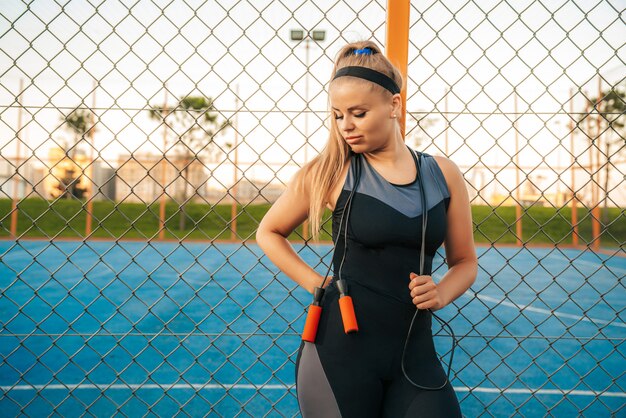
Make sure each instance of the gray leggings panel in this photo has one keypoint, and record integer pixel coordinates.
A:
(315, 395)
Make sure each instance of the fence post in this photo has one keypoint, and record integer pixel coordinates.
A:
(16, 176)
(447, 117)
(595, 211)
(518, 208)
(162, 200)
(397, 45)
(90, 182)
(573, 185)
(233, 207)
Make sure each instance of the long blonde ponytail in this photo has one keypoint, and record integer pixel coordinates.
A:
(324, 170)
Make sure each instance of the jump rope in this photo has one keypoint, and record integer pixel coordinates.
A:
(345, 301)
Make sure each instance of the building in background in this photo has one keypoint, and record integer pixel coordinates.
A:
(104, 181)
(140, 178)
(27, 184)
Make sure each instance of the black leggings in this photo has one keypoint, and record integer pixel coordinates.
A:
(359, 375)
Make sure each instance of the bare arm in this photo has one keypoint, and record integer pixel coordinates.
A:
(459, 241)
(289, 211)
(459, 244)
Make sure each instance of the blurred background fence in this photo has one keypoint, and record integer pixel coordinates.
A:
(165, 128)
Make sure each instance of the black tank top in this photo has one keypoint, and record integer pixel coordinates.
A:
(385, 227)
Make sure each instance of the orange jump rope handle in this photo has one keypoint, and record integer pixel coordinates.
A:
(313, 316)
(347, 308)
(312, 320)
(347, 314)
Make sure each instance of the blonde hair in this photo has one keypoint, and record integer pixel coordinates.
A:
(324, 170)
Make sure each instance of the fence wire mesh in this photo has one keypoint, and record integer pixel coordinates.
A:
(142, 142)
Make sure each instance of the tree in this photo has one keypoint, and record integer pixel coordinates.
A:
(193, 128)
(79, 122)
(68, 186)
(611, 107)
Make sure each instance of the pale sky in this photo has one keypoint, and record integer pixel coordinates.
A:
(213, 48)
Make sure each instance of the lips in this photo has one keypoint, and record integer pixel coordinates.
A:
(353, 138)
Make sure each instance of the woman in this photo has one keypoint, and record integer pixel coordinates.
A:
(362, 374)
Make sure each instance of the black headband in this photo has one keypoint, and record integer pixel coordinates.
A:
(369, 74)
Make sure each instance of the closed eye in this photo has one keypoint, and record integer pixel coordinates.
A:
(358, 115)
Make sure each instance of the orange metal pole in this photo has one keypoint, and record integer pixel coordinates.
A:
(573, 185)
(163, 171)
(518, 208)
(17, 163)
(595, 219)
(397, 45)
(590, 165)
(90, 169)
(445, 109)
(233, 207)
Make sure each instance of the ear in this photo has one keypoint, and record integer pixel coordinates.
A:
(396, 104)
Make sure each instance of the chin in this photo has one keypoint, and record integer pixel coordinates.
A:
(357, 148)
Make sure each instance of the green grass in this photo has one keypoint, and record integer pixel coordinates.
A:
(66, 218)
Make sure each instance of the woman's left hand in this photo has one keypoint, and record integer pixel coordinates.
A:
(424, 292)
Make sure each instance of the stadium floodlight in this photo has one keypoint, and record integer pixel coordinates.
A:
(319, 35)
(297, 34)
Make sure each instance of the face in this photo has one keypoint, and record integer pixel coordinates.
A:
(363, 113)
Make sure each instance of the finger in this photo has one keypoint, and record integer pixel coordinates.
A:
(419, 289)
(426, 305)
(426, 300)
(423, 297)
(423, 288)
(419, 280)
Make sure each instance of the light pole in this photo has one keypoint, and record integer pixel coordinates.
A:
(317, 35)
(306, 36)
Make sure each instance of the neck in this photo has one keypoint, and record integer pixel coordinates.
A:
(391, 154)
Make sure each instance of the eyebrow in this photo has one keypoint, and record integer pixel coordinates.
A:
(353, 107)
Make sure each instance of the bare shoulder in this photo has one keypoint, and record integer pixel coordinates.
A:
(451, 172)
(291, 208)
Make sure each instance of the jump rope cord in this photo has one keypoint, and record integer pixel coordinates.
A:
(348, 202)
(422, 257)
(348, 206)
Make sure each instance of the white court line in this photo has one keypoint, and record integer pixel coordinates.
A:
(118, 386)
(542, 391)
(589, 263)
(543, 311)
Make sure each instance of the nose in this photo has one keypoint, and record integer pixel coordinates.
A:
(346, 124)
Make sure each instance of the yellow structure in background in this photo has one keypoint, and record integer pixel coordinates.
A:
(61, 166)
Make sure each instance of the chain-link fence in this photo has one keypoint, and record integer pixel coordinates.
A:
(142, 142)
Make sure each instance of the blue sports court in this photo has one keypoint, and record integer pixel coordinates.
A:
(139, 328)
